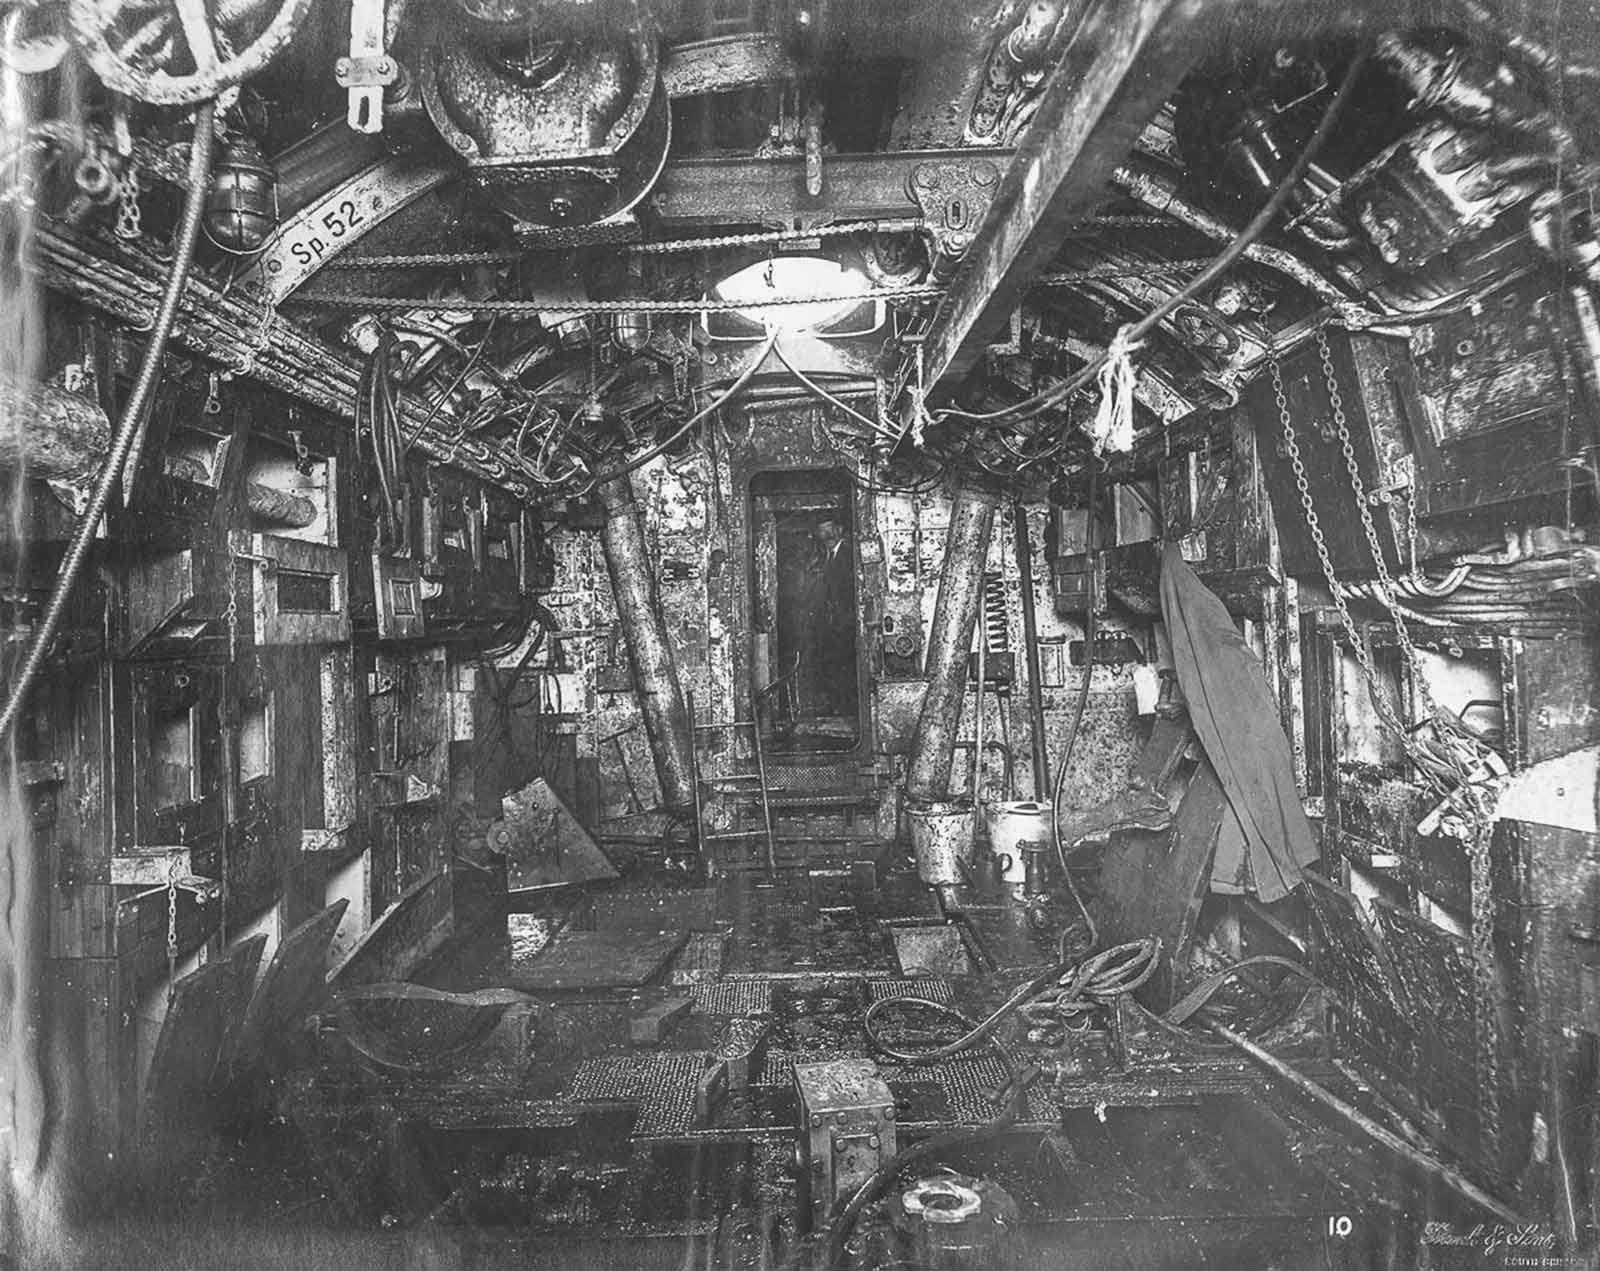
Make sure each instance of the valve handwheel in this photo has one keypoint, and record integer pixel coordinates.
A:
(140, 30)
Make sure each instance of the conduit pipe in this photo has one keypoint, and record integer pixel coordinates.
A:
(966, 545)
(1150, 186)
(655, 675)
(131, 427)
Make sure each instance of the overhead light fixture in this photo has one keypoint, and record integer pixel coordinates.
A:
(778, 293)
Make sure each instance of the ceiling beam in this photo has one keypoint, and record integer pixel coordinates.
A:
(742, 191)
(1126, 58)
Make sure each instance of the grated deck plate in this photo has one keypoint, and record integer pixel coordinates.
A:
(662, 1085)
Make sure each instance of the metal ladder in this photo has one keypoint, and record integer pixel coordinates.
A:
(735, 786)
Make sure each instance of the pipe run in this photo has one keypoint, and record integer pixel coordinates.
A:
(655, 675)
(1030, 641)
(1158, 191)
(966, 546)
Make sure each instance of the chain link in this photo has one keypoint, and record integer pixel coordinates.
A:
(172, 926)
(130, 219)
(1411, 528)
(351, 300)
(230, 615)
(755, 238)
(1485, 987)
(1485, 1017)
(1375, 689)
(1385, 589)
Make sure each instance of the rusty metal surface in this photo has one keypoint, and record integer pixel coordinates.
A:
(1433, 969)
(1350, 959)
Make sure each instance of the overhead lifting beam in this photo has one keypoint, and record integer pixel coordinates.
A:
(1126, 58)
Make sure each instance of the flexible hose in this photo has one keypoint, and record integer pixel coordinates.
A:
(131, 427)
(880, 1179)
(1077, 986)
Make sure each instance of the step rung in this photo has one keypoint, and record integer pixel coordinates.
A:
(733, 836)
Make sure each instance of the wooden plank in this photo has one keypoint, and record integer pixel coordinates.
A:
(598, 960)
(179, 1096)
(296, 977)
(93, 1032)
(773, 190)
(1123, 62)
(409, 930)
(1151, 884)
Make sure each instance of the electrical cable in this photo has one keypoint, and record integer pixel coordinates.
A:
(683, 429)
(816, 390)
(1090, 632)
(130, 431)
(472, 361)
(1224, 260)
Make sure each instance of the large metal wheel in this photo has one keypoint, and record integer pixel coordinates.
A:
(127, 41)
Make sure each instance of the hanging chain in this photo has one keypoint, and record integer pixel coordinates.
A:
(230, 615)
(1411, 528)
(343, 300)
(445, 260)
(1385, 588)
(1375, 689)
(1485, 1019)
(1485, 987)
(172, 926)
(130, 220)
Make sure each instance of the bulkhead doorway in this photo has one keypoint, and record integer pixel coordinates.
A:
(806, 664)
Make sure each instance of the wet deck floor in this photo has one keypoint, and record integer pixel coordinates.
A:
(571, 1137)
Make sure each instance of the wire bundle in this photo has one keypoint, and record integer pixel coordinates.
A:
(378, 422)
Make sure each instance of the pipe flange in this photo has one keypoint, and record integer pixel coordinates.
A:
(941, 1200)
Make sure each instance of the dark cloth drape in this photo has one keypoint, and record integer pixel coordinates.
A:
(1265, 838)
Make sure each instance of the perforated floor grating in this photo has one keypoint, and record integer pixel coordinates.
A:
(662, 1085)
(733, 997)
(925, 988)
(967, 1081)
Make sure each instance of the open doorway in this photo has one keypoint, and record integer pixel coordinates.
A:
(806, 665)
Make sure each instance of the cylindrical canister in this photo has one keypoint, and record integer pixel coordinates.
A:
(941, 838)
(1011, 824)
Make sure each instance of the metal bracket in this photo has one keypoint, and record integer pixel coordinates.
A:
(368, 69)
(316, 233)
(398, 595)
(954, 196)
(152, 868)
